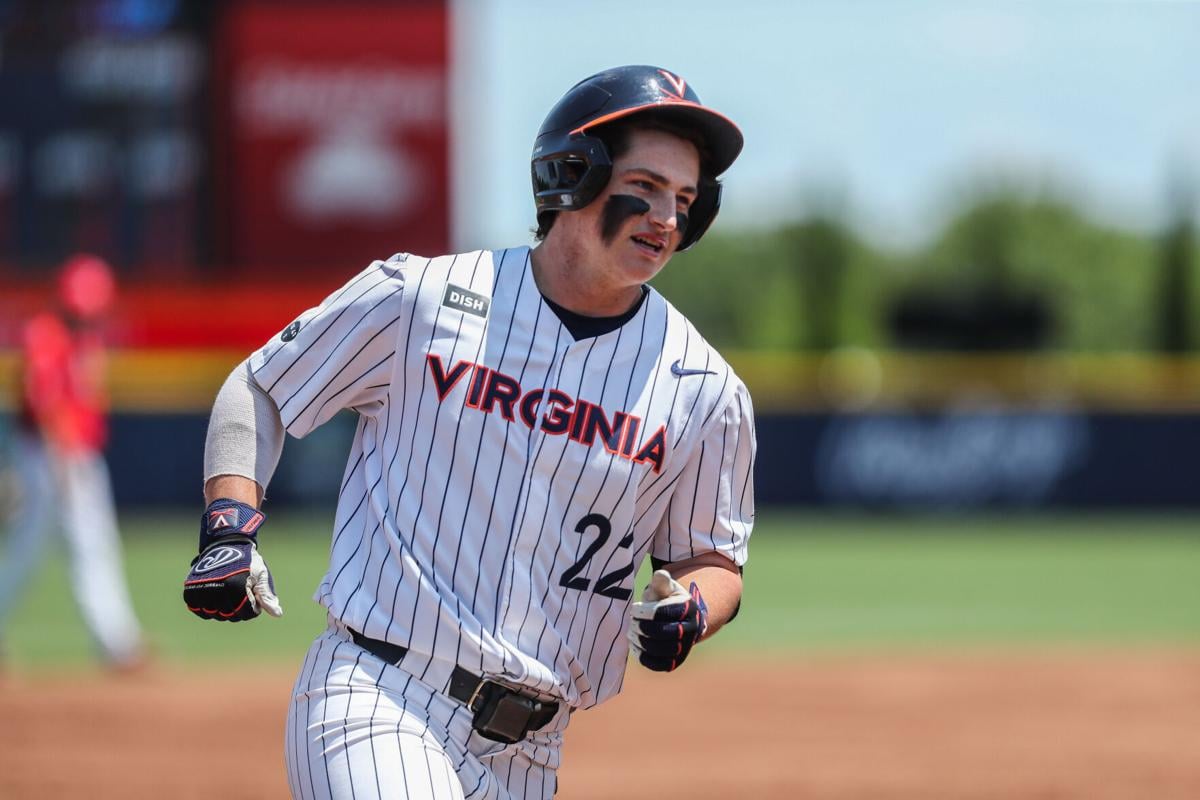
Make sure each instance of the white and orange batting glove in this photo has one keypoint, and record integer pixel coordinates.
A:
(667, 622)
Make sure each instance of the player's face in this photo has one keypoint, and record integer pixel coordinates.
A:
(632, 229)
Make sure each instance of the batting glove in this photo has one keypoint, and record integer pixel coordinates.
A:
(229, 580)
(667, 622)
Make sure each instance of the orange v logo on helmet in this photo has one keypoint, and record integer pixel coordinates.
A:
(677, 83)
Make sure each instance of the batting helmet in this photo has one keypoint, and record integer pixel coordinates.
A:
(570, 167)
(86, 286)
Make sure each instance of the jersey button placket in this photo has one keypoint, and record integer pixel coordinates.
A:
(530, 491)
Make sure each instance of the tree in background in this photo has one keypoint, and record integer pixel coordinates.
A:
(815, 283)
(822, 255)
(983, 303)
(1175, 287)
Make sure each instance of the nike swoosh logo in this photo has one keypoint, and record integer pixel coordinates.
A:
(683, 372)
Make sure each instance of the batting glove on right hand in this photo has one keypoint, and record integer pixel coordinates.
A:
(667, 623)
(229, 581)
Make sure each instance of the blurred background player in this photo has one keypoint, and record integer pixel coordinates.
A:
(61, 433)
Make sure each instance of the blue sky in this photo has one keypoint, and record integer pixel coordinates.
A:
(893, 107)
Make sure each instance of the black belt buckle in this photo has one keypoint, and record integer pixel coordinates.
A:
(502, 715)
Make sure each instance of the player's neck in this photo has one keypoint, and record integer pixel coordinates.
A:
(574, 287)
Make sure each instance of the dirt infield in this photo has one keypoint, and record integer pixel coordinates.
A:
(1086, 725)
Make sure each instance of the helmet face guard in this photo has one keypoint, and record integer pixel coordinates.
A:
(570, 168)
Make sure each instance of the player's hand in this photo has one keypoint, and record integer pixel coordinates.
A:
(229, 580)
(667, 622)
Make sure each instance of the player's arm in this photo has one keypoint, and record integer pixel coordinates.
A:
(700, 545)
(337, 355)
(686, 602)
(229, 580)
(235, 487)
(244, 440)
(720, 584)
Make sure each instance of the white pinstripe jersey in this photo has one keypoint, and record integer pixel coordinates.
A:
(505, 480)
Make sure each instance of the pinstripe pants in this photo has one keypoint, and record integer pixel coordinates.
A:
(359, 728)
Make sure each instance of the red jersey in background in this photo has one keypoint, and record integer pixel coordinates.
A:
(62, 384)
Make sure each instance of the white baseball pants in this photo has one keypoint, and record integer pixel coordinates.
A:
(73, 490)
(359, 728)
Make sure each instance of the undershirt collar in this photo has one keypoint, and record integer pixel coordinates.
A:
(581, 327)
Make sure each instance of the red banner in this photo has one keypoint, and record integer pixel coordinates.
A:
(336, 134)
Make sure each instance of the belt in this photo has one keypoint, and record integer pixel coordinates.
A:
(500, 713)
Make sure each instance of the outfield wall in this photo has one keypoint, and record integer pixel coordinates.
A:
(884, 461)
(1009, 459)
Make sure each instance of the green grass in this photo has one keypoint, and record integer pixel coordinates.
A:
(813, 583)
(866, 581)
(46, 630)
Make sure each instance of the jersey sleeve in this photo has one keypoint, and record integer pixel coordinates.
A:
(337, 355)
(712, 507)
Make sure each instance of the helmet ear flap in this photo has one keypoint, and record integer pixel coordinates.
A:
(701, 212)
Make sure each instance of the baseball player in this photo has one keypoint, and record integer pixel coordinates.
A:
(532, 423)
(58, 452)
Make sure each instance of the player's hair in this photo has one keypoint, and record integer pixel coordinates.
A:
(616, 136)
